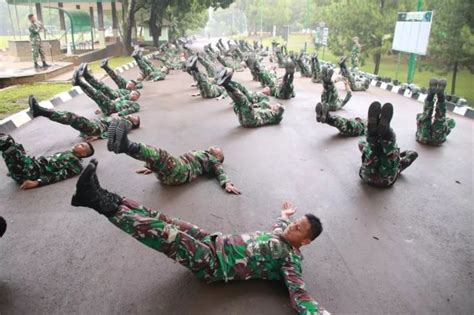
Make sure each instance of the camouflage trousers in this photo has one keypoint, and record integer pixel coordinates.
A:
(335, 103)
(280, 59)
(119, 80)
(284, 91)
(170, 170)
(433, 131)
(104, 102)
(267, 78)
(382, 161)
(304, 69)
(252, 97)
(150, 72)
(87, 128)
(356, 85)
(206, 88)
(347, 127)
(104, 88)
(37, 51)
(354, 60)
(20, 166)
(183, 242)
(254, 115)
(315, 74)
(209, 66)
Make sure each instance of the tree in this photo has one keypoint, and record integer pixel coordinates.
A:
(130, 8)
(452, 40)
(372, 21)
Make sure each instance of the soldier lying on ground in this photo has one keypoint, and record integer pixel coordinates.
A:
(120, 106)
(207, 89)
(121, 82)
(272, 255)
(169, 169)
(330, 95)
(282, 88)
(149, 71)
(31, 172)
(434, 131)
(90, 129)
(382, 161)
(347, 127)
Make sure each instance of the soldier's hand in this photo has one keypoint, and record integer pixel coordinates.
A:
(287, 209)
(29, 184)
(144, 171)
(230, 188)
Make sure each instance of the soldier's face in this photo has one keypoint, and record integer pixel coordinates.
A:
(32, 19)
(130, 85)
(298, 232)
(217, 152)
(82, 149)
(134, 96)
(266, 91)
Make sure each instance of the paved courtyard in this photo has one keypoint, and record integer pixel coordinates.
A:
(403, 250)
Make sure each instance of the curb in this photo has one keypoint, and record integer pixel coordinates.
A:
(465, 111)
(19, 119)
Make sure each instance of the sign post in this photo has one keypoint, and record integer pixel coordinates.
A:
(412, 60)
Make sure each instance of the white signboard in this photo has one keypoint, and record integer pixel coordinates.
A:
(412, 32)
(321, 36)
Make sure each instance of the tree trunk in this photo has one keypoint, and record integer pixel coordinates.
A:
(129, 21)
(153, 27)
(378, 57)
(453, 82)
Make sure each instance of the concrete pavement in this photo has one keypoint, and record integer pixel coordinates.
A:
(407, 249)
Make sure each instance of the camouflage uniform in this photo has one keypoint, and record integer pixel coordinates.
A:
(119, 80)
(433, 131)
(206, 88)
(355, 56)
(280, 58)
(331, 97)
(108, 106)
(174, 171)
(230, 63)
(283, 89)
(169, 62)
(209, 66)
(382, 161)
(150, 72)
(35, 40)
(315, 70)
(355, 85)
(347, 127)
(46, 170)
(87, 128)
(266, 78)
(304, 69)
(251, 114)
(104, 88)
(251, 96)
(216, 257)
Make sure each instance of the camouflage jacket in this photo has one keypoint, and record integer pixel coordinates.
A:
(172, 170)
(58, 167)
(124, 107)
(265, 255)
(34, 32)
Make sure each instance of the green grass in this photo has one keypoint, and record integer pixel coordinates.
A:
(15, 98)
(114, 62)
(388, 66)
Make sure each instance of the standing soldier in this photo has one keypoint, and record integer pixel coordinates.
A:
(35, 28)
(355, 52)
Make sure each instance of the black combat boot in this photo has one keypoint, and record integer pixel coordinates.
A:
(3, 226)
(407, 158)
(45, 65)
(224, 76)
(36, 110)
(89, 193)
(118, 141)
(373, 118)
(104, 63)
(386, 115)
(37, 66)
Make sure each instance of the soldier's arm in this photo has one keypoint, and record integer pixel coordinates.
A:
(129, 108)
(301, 301)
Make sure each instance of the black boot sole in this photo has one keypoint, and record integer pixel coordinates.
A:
(112, 134)
(386, 115)
(120, 135)
(319, 112)
(33, 106)
(84, 184)
(373, 118)
(441, 86)
(433, 86)
(3, 226)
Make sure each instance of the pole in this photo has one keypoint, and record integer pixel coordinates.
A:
(11, 21)
(261, 20)
(412, 59)
(398, 66)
